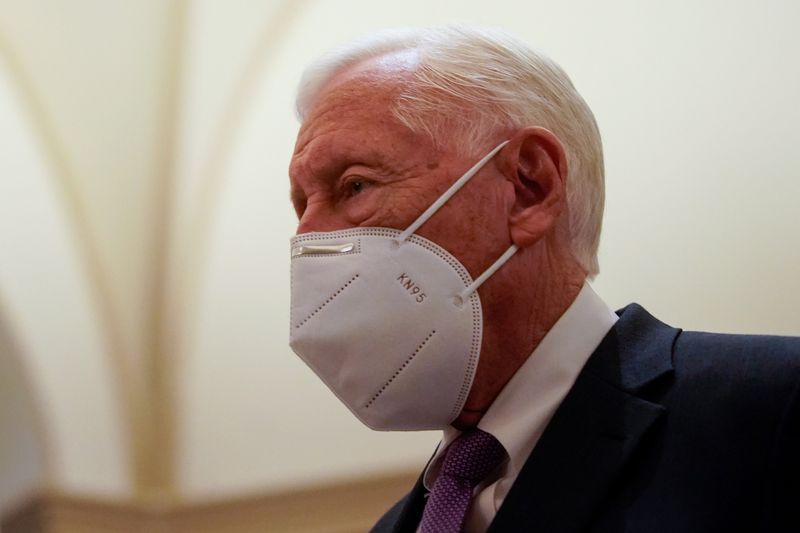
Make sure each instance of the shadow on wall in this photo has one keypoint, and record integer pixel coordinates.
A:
(22, 449)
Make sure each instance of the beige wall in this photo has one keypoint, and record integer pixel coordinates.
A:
(50, 322)
(172, 124)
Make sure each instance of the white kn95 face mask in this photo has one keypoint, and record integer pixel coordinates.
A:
(390, 321)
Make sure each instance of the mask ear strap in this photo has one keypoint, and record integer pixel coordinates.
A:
(461, 298)
(460, 182)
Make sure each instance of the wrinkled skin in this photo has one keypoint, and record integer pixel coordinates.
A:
(355, 165)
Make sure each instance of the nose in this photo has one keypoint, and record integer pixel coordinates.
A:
(305, 224)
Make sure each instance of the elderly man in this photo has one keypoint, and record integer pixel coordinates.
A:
(449, 187)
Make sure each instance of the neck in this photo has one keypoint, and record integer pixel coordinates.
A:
(521, 302)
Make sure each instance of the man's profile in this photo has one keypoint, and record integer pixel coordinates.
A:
(449, 189)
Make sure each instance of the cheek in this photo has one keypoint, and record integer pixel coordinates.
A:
(396, 208)
(473, 227)
(360, 210)
(488, 206)
(479, 234)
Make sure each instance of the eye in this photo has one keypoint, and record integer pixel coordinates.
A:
(355, 186)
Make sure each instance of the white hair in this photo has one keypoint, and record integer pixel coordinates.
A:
(477, 82)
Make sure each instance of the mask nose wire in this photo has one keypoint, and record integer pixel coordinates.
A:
(460, 182)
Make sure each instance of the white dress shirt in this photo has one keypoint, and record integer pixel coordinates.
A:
(522, 410)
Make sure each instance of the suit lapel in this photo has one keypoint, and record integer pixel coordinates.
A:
(410, 512)
(594, 432)
(404, 517)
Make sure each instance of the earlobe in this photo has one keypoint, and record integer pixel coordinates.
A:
(535, 162)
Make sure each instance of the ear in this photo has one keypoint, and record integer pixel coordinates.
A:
(535, 163)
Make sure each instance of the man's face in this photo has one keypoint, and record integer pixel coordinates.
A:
(355, 165)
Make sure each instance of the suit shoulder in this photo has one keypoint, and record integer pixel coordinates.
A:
(759, 367)
(734, 351)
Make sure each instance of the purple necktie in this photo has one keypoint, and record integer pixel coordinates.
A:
(469, 459)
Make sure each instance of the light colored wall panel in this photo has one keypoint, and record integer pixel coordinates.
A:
(701, 134)
(222, 40)
(48, 303)
(98, 70)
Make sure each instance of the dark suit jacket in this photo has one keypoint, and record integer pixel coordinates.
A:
(663, 430)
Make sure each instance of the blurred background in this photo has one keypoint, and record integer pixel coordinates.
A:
(145, 379)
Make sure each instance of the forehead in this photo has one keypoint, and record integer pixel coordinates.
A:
(355, 106)
(359, 107)
(379, 77)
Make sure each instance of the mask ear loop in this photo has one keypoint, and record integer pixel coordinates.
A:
(466, 293)
(460, 182)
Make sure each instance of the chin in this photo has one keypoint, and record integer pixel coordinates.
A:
(468, 419)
